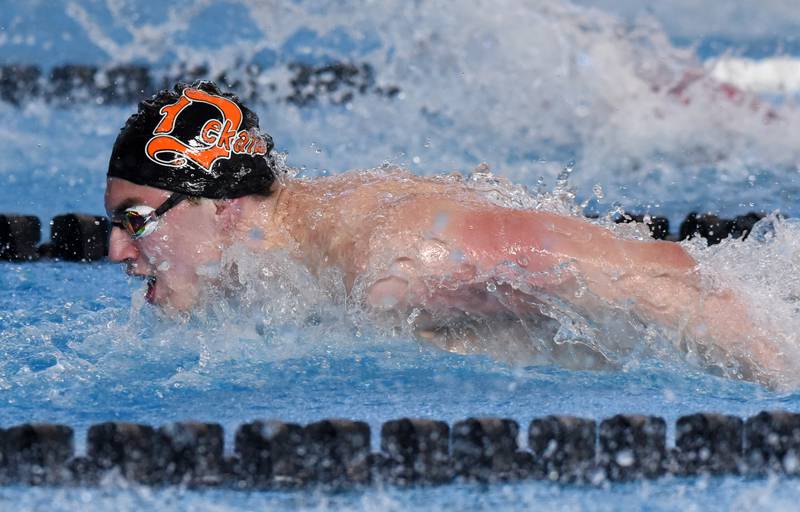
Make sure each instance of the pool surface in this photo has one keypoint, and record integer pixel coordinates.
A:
(527, 89)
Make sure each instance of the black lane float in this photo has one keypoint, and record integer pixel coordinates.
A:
(19, 237)
(84, 237)
(337, 453)
(73, 237)
(74, 85)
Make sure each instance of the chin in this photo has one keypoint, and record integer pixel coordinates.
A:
(178, 304)
(163, 296)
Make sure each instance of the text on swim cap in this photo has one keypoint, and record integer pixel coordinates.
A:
(221, 138)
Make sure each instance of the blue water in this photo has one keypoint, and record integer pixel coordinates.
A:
(51, 372)
(673, 494)
(78, 347)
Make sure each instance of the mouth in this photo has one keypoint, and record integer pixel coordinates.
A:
(150, 296)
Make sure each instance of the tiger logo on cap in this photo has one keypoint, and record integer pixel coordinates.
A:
(218, 139)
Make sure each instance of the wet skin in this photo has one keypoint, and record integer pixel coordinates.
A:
(188, 237)
(432, 243)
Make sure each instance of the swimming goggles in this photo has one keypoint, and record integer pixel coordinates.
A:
(142, 220)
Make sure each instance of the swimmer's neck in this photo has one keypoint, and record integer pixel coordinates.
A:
(275, 222)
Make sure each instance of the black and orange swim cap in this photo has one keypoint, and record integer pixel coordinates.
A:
(196, 140)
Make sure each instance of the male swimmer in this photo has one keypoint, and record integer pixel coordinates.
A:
(191, 176)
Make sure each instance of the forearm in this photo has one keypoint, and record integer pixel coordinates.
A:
(715, 322)
(659, 283)
(726, 326)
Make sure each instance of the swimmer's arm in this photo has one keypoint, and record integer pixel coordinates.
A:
(463, 248)
(656, 280)
(719, 326)
(660, 283)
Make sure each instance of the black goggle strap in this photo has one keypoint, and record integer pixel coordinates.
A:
(127, 221)
(171, 201)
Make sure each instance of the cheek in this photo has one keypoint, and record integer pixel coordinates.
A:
(185, 250)
(198, 246)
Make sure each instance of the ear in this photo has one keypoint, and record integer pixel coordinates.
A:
(228, 211)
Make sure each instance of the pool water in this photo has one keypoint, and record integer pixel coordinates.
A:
(72, 354)
(527, 89)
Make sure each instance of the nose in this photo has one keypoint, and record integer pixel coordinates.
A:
(120, 246)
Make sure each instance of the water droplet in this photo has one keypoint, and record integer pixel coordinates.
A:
(790, 463)
(598, 192)
(624, 458)
(617, 209)
(541, 186)
(563, 177)
(491, 287)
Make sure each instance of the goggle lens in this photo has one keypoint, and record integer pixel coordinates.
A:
(135, 223)
(139, 221)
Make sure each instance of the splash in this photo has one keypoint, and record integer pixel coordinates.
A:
(266, 306)
(524, 88)
(521, 87)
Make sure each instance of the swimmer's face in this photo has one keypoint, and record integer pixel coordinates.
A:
(187, 238)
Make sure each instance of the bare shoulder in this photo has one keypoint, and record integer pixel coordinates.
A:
(373, 197)
(351, 215)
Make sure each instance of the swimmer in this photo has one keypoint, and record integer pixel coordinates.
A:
(191, 175)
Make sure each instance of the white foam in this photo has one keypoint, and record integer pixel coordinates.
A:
(776, 75)
(523, 87)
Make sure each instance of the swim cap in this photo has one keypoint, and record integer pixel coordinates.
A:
(196, 140)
